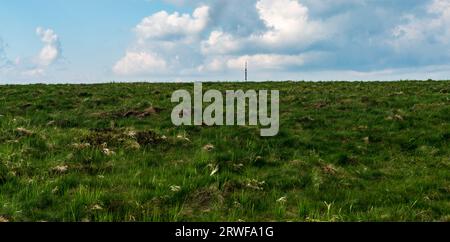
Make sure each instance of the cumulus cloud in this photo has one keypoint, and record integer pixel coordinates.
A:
(433, 27)
(287, 28)
(25, 68)
(48, 55)
(280, 45)
(214, 38)
(267, 61)
(164, 42)
(261, 62)
(162, 25)
(232, 16)
(292, 36)
(52, 48)
(424, 37)
(134, 63)
(219, 42)
(288, 23)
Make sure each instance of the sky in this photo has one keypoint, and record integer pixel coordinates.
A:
(83, 41)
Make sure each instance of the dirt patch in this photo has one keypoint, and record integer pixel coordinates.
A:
(306, 119)
(92, 168)
(320, 105)
(121, 138)
(148, 138)
(98, 138)
(128, 113)
(344, 159)
(139, 114)
(26, 105)
(204, 198)
(84, 94)
(230, 187)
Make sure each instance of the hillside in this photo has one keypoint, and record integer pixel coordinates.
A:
(374, 151)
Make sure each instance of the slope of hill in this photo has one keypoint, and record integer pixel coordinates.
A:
(375, 151)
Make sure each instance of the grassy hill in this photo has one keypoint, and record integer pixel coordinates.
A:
(375, 151)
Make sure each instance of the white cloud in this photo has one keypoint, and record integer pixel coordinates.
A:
(282, 30)
(134, 63)
(287, 36)
(162, 25)
(47, 36)
(258, 62)
(288, 30)
(440, 7)
(287, 27)
(220, 43)
(178, 45)
(433, 28)
(165, 42)
(215, 65)
(36, 67)
(288, 23)
(48, 55)
(266, 61)
(51, 50)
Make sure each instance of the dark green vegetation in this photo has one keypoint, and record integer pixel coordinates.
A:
(345, 152)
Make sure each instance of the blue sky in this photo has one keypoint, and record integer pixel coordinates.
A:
(149, 40)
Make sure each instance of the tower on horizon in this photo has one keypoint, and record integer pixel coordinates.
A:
(246, 71)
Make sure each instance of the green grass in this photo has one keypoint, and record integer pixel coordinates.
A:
(375, 151)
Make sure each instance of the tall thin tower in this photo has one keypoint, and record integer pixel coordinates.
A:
(246, 71)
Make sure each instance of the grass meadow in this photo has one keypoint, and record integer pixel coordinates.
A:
(346, 151)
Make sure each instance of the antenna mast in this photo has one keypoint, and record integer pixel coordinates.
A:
(246, 71)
